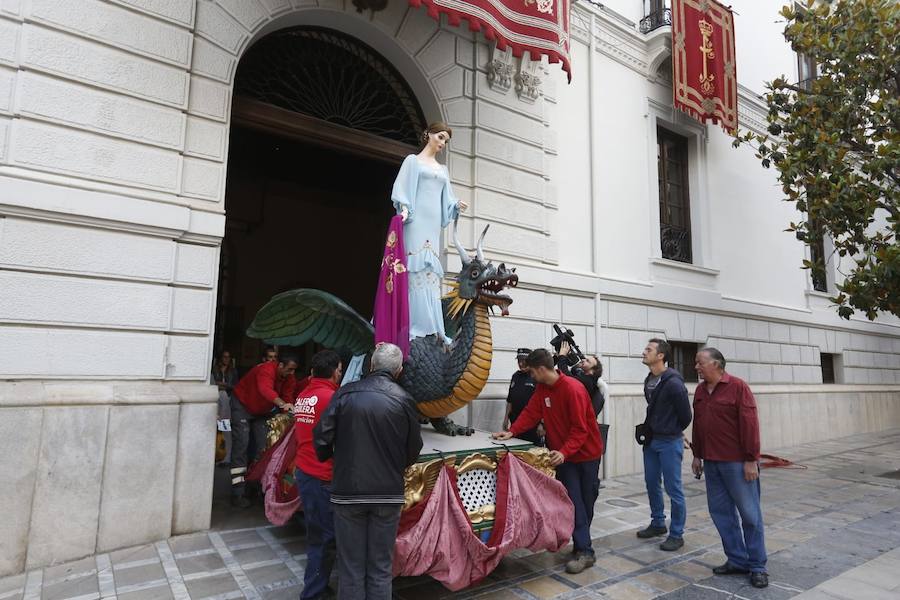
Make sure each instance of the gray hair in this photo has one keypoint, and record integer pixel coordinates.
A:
(387, 357)
(715, 356)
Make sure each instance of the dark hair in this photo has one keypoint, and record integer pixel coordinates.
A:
(715, 355)
(436, 127)
(662, 347)
(268, 349)
(540, 358)
(286, 358)
(599, 372)
(324, 363)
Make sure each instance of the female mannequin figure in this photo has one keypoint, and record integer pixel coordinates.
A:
(423, 198)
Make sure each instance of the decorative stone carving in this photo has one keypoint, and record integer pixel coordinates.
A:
(500, 70)
(528, 82)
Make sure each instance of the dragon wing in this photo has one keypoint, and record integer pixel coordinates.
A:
(295, 317)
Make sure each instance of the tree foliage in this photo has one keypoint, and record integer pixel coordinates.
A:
(834, 141)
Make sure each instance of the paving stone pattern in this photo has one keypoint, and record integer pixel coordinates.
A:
(830, 530)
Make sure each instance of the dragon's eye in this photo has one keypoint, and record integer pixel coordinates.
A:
(475, 274)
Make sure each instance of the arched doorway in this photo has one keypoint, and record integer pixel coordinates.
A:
(320, 125)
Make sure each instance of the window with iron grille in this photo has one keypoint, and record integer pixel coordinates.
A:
(683, 355)
(674, 197)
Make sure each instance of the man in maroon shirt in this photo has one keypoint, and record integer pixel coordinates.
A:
(260, 392)
(573, 437)
(726, 448)
(314, 476)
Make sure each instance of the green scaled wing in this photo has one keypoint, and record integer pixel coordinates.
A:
(298, 316)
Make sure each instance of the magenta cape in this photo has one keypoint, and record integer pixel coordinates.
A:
(391, 314)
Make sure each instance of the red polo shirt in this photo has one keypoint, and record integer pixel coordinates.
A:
(258, 389)
(308, 409)
(568, 416)
(726, 424)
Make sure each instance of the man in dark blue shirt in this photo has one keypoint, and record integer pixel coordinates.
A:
(521, 388)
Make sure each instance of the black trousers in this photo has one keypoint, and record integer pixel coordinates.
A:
(243, 426)
(366, 534)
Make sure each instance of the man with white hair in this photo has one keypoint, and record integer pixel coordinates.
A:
(371, 429)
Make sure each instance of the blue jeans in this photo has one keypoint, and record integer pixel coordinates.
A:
(582, 482)
(315, 495)
(662, 465)
(729, 494)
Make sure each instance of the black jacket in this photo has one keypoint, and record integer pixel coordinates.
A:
(671, 408)
(588, 381)
(371, 428)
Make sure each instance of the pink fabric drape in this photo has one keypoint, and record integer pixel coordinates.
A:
(391, 314)
(533, 511)
(280, 503)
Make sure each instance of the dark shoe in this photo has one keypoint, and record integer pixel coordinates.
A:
(729, 569)
(240, 501)
(671, 544)
(582, 561)
(652, 531)
(759, 580)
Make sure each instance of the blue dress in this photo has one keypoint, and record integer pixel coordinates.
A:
(425, 192)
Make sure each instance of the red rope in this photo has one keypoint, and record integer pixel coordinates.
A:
(770, 461)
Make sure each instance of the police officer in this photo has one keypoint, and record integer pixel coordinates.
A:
(521, 387)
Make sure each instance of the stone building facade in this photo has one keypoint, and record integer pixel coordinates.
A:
(114, 137)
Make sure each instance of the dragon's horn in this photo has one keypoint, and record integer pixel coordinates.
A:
(463, 255)
(478, 251)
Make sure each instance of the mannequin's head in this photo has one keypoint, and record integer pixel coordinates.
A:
(436, 136)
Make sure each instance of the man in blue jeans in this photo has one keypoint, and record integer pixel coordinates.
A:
(668, 415)
(726, 447)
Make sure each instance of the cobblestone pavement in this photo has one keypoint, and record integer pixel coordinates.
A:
(830, 530)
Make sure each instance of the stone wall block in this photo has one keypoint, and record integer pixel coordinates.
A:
(809, 355)
(782, 374)
(707, 325)
(74, 58)
(113, 354)
(68, 483)
(799, 335)
(417, 29)
(841, 341)
(769, 353)
(458, 112)
(438, 54)
(739, 369)
(58, 150)
(40, 245)
(818, 338)
(276, 7)
(494, 205)
(758, 330)
(7, 87)
(637, 341)
(687, 324)
(509, 180)
(790, 354)
(139, 476)
(35, 298)
(626, 370)
(760, 373)
(196, 265)
(615, 341)
(450, 84)
(78, 106)
(191, 310)
(504, 150)
(202, 179)
(187, 357)
(632, 316)
(178, 11)
(212, 61)
(249, 13)
(391, 18)
(205, 139)
(734, 327)
(778, 332)
(747, 351)
(216, 25)
(510, 334)
(513, 241)
(664, 319)
(20, 430)
(5, 125)
(110, 24)
(553, 308)
(193, 474)
(502, 120)
(726, 346)
(209, 99)
(528, 303)
(577, 309)
(9, 42)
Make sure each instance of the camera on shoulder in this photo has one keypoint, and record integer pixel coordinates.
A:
(575, 354)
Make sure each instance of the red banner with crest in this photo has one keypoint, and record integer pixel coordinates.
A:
(703, 66)
(540, 27)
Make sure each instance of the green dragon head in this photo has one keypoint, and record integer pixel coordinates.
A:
(479, 281)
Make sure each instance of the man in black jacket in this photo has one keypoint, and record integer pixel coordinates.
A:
(668, 415)
(371, 428)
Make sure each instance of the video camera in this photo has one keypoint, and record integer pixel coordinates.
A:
(575, 355)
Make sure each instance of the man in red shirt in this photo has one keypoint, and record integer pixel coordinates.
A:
(573, 437)
(314, 476)
(256, 396)
(726, 447)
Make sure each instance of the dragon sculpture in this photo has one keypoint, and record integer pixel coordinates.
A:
(441, 378)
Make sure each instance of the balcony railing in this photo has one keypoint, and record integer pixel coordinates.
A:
(675, 243)
(655, 20)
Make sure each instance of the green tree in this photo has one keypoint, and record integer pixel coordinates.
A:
(834, 141)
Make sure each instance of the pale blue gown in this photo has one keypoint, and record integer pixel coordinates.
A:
(425, 192)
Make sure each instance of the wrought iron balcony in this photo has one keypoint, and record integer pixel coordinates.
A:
(675, 243)
(655, 20)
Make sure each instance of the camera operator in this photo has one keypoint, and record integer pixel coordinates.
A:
(586, 370)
